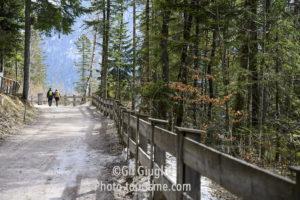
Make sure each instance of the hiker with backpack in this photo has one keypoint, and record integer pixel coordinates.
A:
(50, 97)
(56, 96)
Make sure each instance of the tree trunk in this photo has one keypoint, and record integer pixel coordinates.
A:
(83, 71)
(297, 13)
(164, 44)
(248, 60)
(253, 49)
(107, 47)
(165, 54)
(2, 62)
(277, 94)
(146, 67)
(145, 72)
(26, 79)
(203, 77)
(102, 88)
(88, 82)
(105, 50)
(196, 60)
(263, 88)
(134, 54)
(225, 70)
(183, 71)
(120, 50)
(16, 69)
(209, 73)
(277, 102)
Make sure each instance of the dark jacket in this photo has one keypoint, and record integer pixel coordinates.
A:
(50, 94)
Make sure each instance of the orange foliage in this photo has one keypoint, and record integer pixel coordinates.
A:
(209, 77)
(184, 88)
(193, 95)
(196, 77)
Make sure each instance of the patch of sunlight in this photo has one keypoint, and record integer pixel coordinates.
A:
(98, 126)
(34, 192)
(87, 189)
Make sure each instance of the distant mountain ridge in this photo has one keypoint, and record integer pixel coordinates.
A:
(60, 55)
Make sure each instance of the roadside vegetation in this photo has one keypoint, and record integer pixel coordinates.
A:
(12, 114)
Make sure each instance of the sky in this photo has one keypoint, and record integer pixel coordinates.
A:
(60, 55)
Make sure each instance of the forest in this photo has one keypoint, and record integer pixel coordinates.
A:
(229, 67)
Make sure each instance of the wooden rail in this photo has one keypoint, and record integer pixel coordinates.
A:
(9, 86)
(194, 159)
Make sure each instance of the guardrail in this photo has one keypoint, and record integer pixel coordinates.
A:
(194, 159)
(9, 86)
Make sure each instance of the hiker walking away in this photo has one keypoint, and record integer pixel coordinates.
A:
(56, 96)
(50, 97)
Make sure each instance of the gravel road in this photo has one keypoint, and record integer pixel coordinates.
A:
(62, 156)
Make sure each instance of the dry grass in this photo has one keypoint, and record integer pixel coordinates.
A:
(12, 114)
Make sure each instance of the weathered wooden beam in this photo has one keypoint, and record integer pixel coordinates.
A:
(296, 169)
(158, 121)
(132, 146)
(195, 134)
(189, 130)
(227, 171)
(179, 163)
(165, 140)
(186, 174)
(144, 158)
(165, 180)
(159, 154)
(145, 129)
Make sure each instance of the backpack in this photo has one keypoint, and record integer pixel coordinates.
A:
(50, 94)
(57, 95)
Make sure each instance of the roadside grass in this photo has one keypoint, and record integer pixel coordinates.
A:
(12, 111)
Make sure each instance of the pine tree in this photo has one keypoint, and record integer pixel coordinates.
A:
(134, 55)
(38, 68)
(106, 21)
(120, 65)
(84, 48)
(10, 30)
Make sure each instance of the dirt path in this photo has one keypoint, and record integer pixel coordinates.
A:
(63, 156)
